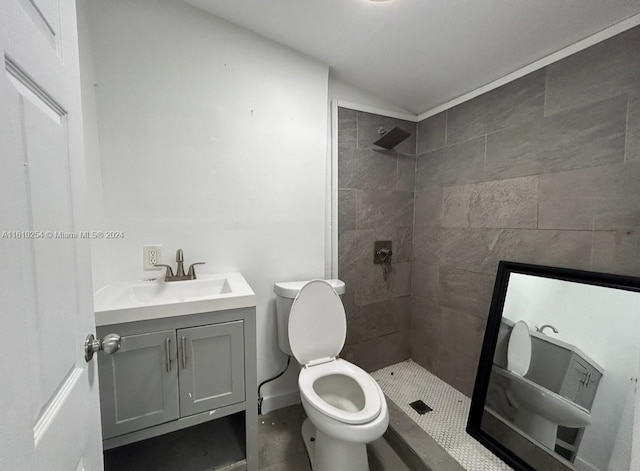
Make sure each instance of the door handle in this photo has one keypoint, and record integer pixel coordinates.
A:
(109, 345)
(184, 352)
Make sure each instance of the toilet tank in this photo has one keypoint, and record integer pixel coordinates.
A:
(285, 294)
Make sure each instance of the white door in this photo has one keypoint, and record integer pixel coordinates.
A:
(49, 417)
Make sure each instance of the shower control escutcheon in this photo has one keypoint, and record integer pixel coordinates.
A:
(382, 252)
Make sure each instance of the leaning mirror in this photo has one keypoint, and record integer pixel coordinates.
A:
(556, 381)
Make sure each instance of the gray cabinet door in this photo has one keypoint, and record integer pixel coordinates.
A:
(211, 362)
(139, 383)
(574, 381)
(589, 387)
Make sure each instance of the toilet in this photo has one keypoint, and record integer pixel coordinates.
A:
(539, 410)
(346, 408)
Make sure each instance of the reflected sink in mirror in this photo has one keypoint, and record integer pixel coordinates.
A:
(136, 300)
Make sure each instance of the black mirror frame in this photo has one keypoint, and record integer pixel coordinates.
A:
(505, 268)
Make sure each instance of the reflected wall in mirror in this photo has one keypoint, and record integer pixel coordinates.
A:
(560, 362)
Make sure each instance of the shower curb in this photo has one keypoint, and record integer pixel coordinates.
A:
(414, 446)
(383, 457)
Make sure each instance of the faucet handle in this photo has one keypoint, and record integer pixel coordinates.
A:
(192, 271)
(169, 272)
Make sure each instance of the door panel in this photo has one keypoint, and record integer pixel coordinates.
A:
(49, 397)
(51, 210)
(211, 367)
(47, 13)
(139, 383)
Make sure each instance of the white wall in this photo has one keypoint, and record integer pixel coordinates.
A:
(340, 90)
(213, 140)
(97, 217)
(604, 324)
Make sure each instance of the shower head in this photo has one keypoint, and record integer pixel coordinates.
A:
(390, 139)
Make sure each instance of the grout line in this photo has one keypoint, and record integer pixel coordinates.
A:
(546, 88)
(431, 150)
(357, 128)
(538, 200)
(356, 212)
(413, 223)
(397, 172)
(626, 129)
(446, 126)
(441, 206)
(479, 136)
(593, 223)
(484, 165)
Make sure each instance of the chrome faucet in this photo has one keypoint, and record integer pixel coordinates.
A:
(541, 329)
(180, 275)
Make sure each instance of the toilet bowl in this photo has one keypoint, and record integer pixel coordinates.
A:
(346, 408)
(539, 411)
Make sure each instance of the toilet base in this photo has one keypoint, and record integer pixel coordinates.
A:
(309, 437)
(328, 454)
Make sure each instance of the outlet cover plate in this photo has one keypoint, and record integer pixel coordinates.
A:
(151, 254)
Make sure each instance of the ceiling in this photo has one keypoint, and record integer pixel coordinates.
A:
(420, 54)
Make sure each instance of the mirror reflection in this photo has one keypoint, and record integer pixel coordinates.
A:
(564, 372)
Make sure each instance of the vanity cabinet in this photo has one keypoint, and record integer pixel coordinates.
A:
(564, 371)
(139, 383)
(175, 372)
(569, 374)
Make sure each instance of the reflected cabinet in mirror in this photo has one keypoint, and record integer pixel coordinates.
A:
(556, 382)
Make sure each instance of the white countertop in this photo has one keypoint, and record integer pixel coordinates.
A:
(121, 301)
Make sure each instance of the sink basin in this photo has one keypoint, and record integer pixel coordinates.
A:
(129, 301)
(180, 290)
(540, 411)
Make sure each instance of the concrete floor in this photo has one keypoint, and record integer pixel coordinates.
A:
(281, 446)
(198, 448)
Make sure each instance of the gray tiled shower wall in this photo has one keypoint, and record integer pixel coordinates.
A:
(545, 169)
(375, 202)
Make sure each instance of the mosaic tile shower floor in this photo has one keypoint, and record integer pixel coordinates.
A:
(407, 381)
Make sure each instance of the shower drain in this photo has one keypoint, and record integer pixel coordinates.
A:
(420, 407)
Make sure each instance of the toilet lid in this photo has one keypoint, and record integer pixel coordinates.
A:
(519, 349)
(317, 323)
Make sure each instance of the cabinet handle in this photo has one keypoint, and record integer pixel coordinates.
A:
(583, 381)
(588, 380)
(184, 352)
(167, 352)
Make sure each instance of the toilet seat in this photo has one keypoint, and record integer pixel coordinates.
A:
(317, 323)
(317, 331)
(519, 349)
(368, 386)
